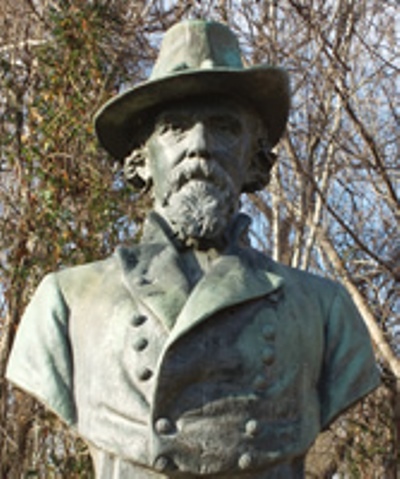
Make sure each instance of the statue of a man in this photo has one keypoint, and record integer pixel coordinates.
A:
(192, 354)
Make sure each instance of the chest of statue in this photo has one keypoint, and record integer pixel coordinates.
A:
(257, 361)
(222, 397)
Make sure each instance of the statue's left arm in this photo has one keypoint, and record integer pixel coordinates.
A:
(349, 370)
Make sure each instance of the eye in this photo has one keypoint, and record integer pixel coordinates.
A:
(175, 125)
(226, 125)
(168, 127)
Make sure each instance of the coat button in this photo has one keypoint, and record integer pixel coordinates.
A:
(268, 356)
(141, 344)
(269, 332)
(145, 374)
(245, 461)
(164, 463)
(251, 427)
(260, 383)
(164, 426)
(138, 319)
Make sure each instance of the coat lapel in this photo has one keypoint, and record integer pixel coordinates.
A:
(231, 281)
(153, 275)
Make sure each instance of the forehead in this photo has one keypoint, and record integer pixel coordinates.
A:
(207, 106)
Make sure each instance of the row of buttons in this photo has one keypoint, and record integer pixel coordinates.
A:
(164, 426)
(145, 373)
(165, 463)
(268, 355)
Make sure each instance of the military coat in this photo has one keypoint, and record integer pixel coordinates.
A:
(232, 377)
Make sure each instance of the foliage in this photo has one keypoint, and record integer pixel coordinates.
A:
(331, 208)
(57, 205)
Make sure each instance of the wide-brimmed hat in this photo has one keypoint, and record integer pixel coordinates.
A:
(196, 58)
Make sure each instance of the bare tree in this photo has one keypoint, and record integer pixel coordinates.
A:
(331, 208)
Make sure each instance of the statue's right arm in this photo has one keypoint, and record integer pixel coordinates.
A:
(41, 362)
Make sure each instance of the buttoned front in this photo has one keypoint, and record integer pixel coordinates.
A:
(231, 377)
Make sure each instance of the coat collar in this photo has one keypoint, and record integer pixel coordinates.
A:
(154, 274)
(234, 279)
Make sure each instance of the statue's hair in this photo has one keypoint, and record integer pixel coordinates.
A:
(262, 158)
(134, 166)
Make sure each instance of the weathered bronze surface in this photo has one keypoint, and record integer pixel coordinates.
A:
(192, 354)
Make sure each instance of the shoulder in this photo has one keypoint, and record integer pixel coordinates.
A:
(79, 280)
(84, 271)
(294, 278)
(306, 281)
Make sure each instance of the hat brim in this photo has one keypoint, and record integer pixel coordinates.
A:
(265, 88)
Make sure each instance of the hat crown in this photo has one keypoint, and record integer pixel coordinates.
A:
(197, 58)
(197, 45)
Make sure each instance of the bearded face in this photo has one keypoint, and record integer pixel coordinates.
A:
(198, 156)
(200, 200)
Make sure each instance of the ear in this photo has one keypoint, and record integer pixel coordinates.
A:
(136, 170)
(259, 172)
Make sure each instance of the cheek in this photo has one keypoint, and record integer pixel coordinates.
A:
(239, 161)
(157, 167)
(164, 153)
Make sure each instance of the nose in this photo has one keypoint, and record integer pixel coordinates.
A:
(197, 142)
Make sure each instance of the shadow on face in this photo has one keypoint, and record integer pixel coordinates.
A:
(222, 130)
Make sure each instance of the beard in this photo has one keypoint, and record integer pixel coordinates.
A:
(200, 201)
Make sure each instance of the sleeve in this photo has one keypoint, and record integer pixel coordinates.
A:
(40, 362)
(349, 369)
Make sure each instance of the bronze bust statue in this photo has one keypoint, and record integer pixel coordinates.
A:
(192, 354)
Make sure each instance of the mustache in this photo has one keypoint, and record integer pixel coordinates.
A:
(199, 169)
